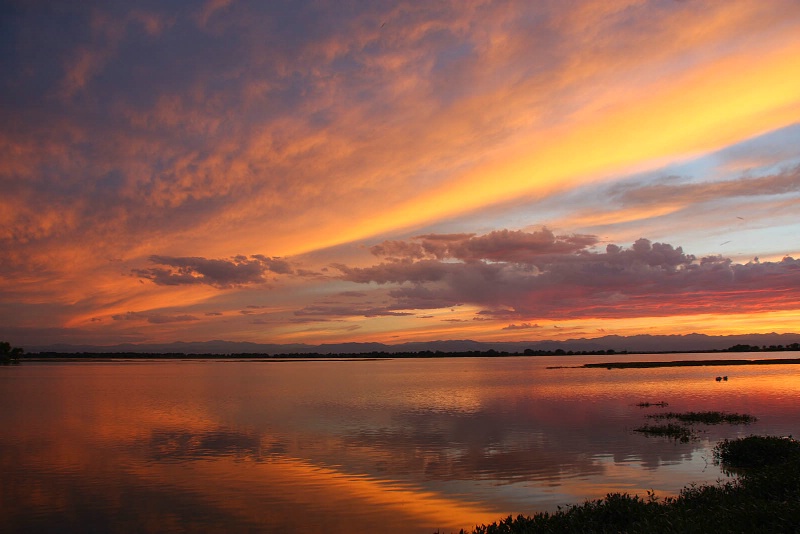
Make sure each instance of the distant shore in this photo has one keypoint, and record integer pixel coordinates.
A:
(368, 356)
(691, 363)
(193, 357)
(116, 356)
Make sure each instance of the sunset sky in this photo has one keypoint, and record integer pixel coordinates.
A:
(321, 172)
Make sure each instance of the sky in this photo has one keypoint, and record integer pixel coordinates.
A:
(323, 172)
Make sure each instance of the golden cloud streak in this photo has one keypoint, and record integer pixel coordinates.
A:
(730, 101)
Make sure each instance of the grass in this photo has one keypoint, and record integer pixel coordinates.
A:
(765, 497)
(661, 404)
(683, 431)
(707, 418)
(756, 452)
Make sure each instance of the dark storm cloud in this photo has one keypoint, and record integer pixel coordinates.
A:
(232, 272)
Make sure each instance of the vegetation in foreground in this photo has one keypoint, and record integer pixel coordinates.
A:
(765, 497)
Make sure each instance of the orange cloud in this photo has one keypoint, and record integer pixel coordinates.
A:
(292, 135)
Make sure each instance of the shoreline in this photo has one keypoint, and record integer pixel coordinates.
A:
(279, 358)
(689, 363)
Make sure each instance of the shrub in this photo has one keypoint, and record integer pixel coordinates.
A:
(764, 498)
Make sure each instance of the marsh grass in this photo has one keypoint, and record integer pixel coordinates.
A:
(755, 452)
(764, 498)
(707, 418)
(683, 431)
(661, 404)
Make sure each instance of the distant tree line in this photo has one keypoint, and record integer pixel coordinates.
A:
(9, 354)
(315, 355)
(763, 348)
(384, 354)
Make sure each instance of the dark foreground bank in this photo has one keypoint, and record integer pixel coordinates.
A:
(764, 497)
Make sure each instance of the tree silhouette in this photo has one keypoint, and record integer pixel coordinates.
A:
(9, 354)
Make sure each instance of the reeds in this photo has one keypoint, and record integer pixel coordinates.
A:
(762, 499)
(683, 430)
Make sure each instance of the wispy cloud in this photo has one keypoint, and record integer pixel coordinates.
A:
(154, 318)
(673, 190)
(232, 272)
(501, 245)
(143, 148)
(521, 326)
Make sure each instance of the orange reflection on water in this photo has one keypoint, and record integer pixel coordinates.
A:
(275, 490)
(389, 446)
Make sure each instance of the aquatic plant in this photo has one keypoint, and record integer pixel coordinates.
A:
(684, 432)
(763, 499)
(707, 418)
(756, 451)
(661, 404)
(675, 431)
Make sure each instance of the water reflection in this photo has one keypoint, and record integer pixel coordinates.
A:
(390, 446)
(182, 444)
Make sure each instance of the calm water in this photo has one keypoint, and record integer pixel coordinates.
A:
(381, 446)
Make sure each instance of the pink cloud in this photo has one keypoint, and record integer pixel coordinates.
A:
(521, 326)
(186, 134)
(564, 279)
(154, 318)
(346, 310)
(502, 245)
(236, 271)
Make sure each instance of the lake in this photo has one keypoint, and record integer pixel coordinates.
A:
(396, 445)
